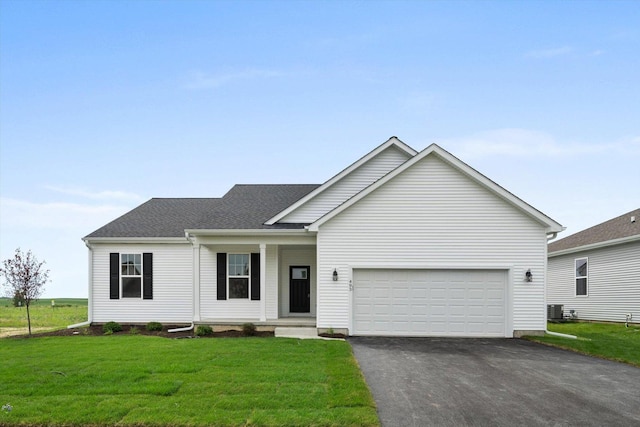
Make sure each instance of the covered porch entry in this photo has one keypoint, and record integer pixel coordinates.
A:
(269, 281)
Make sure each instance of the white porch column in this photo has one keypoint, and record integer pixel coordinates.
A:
(196, 281)
(263, 282)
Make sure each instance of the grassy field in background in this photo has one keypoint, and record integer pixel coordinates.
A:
(611, 341)
(67, 311)
(143, 381)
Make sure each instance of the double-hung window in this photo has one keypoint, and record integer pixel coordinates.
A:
(582, 274)
(131, 275)
(239, 275)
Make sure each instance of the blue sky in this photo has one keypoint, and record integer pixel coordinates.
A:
(105, 104)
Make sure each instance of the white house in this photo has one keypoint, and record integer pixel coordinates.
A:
(398, 243)
(596, 272)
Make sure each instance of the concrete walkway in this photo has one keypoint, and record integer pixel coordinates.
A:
(300, 333)
(296, 332)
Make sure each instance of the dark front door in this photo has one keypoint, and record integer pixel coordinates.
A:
(299, 290)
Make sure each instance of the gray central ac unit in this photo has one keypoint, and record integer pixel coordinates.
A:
(554, 311)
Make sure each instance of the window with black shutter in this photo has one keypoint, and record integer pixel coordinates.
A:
(130, 275)
(238, 276)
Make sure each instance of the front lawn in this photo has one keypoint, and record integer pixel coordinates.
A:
(143, 380)
(611, 341)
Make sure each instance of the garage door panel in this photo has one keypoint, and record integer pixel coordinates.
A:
(418, 310)
(429, 302)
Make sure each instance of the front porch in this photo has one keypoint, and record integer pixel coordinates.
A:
(267, 279)
(294, 322)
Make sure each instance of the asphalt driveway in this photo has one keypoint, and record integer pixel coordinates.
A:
(494, 382)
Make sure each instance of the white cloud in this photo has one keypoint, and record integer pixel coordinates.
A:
(56, 215)
(549, 53)
(530, 143)
(201, 80)
(100, 195)
(53, 230)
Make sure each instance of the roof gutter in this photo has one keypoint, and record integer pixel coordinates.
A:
(245, 232)
(87, 240)
(90, 285)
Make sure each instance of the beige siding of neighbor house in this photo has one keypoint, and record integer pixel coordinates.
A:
(432, 216)
(613, 284)
(351, 184)
(172, 285)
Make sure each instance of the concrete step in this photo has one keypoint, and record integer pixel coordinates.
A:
(296, 332)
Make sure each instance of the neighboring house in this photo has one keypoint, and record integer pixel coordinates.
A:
(596, 272)
(398, 243)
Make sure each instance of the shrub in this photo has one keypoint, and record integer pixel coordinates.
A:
(203, 330)
(249, 329)
(154, 326)
(134, 330)
(111, 327)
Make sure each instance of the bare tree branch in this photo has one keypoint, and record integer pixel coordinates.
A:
(24, 277)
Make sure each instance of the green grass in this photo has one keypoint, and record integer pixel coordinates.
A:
(611, 341)
(153, 381)
(67, 311)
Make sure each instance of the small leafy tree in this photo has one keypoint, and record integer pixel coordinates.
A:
(25, 277)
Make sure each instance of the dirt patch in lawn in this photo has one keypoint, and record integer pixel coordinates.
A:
(9, 332)
(96, 330)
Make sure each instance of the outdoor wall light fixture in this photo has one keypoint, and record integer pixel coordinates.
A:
(528, 277)
(335, 275)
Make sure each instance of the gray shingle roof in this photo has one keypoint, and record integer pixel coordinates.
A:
(243, 207)
(616, 228)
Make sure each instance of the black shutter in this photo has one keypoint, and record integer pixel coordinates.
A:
(222, 275)
(114, 276)
(255, 276)
(147, 276)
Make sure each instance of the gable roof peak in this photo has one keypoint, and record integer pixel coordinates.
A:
(435, 149)
(391, 142)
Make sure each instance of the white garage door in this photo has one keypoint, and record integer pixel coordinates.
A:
(465, 303)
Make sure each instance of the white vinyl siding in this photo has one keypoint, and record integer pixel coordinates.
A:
(351, 184)
(432, 216)
(613, 284)
(172, 285)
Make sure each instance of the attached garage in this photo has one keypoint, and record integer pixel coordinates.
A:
(410, 302)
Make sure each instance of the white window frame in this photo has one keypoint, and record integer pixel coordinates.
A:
(247, 276)
(127, 276)
(585, 277)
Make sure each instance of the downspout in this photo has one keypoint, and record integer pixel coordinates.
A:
(90, 301)
(558, 334)
(186, 328)
(193, 308)
(551, 236)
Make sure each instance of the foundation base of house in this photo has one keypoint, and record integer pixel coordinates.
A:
(521, 333)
